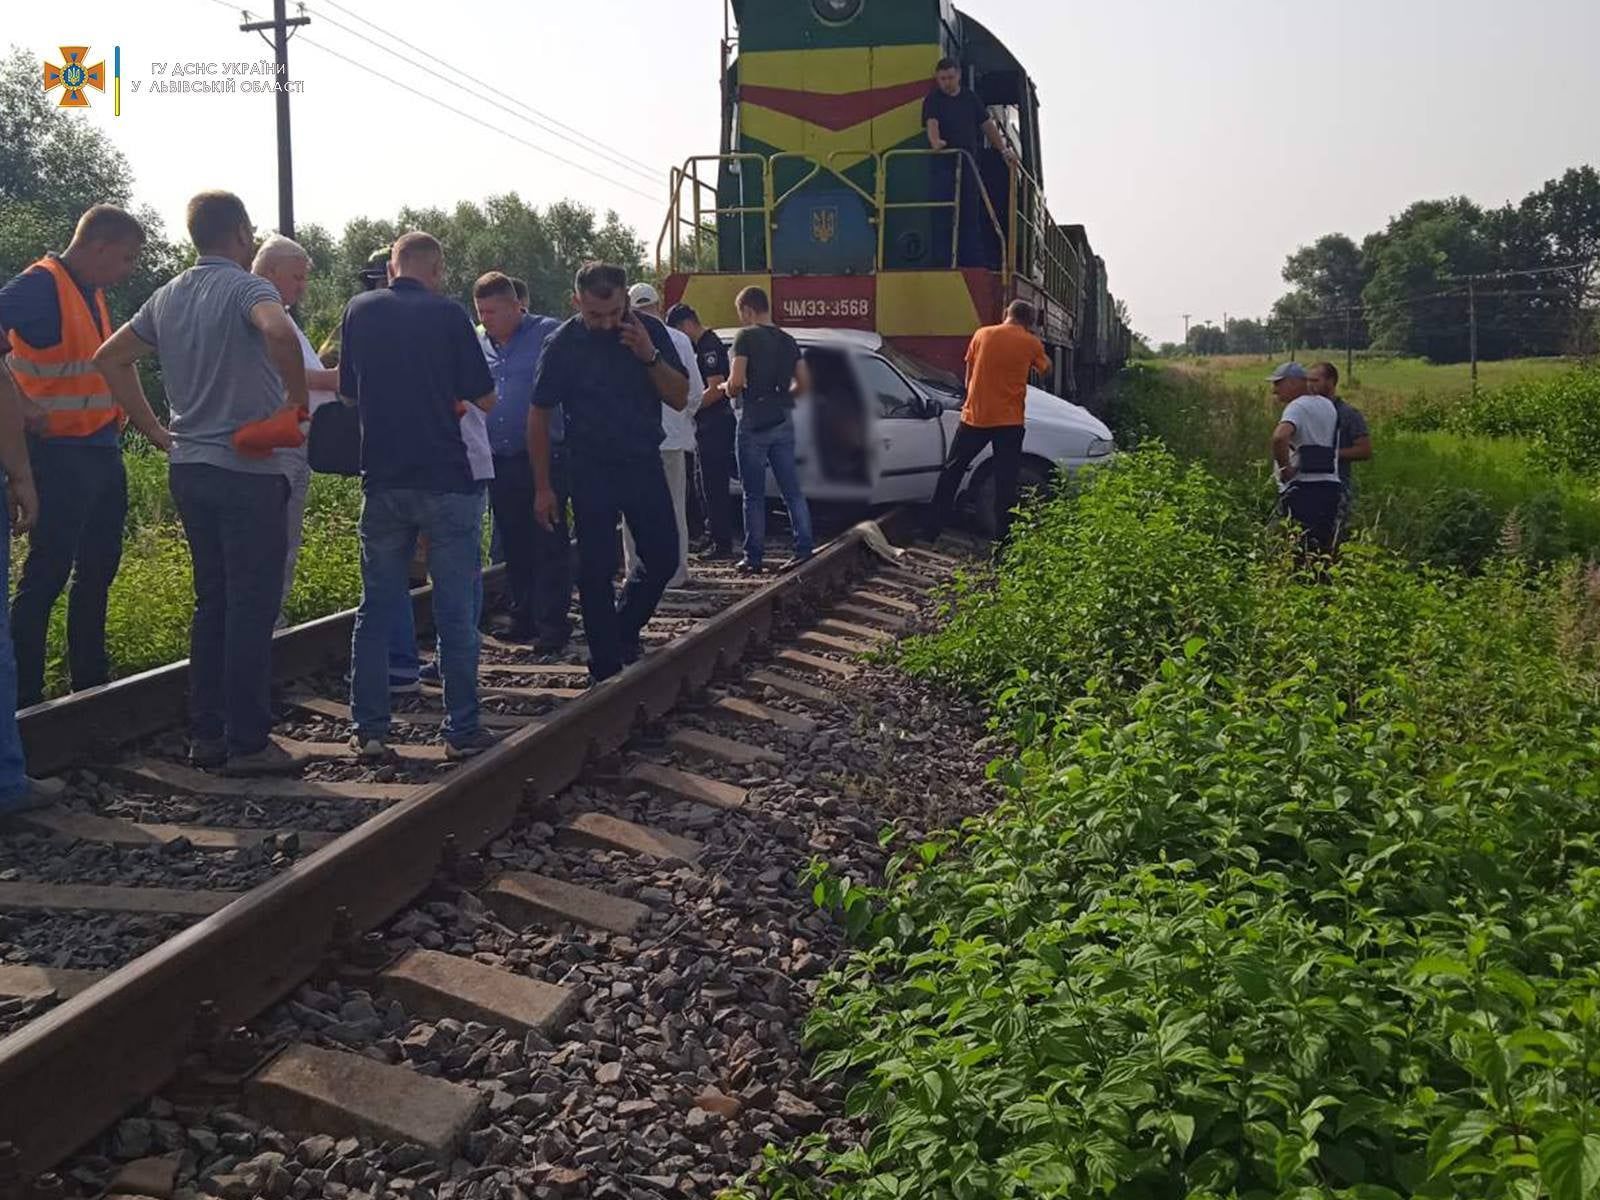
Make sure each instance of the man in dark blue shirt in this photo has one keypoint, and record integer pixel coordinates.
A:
(610, 370)
(538, 560)
(410, 360)
(956, 119)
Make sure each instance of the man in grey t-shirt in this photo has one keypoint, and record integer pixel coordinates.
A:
(229, 357)
(1355, 438)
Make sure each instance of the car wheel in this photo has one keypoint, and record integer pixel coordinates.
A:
(1032, 477)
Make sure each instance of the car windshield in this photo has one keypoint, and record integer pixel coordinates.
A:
(921, 372)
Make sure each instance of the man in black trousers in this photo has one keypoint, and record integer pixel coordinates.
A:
(610, 370)
(537, 559)
(714, 426)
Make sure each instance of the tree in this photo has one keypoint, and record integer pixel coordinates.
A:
(504, 233)
(1415, 301)
(1206, 338)
(1328, 277)
(1564, 217)
(1247, 336)
(53, 166)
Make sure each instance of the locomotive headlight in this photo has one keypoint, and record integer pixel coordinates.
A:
(836, 11)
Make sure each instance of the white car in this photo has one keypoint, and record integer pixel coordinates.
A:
(879, 423)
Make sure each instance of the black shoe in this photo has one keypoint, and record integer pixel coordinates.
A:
(469, 746)
(552, 645)
(745, 567)
(716, 554)
(207, 754)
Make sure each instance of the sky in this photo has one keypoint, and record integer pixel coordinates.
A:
(1200, 143)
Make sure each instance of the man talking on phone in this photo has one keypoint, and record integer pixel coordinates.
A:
(610, 370)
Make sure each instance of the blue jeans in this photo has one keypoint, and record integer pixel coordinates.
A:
(775, 447)
(13, 773)
(405, 664)
(391, 521)
(236, 524)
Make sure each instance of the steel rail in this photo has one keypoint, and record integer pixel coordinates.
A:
(85, 725)
(72, 1072)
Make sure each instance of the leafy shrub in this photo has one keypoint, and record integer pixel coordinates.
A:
(1293, 891)
(1414, 494)
(1559, 415)
(152, 598)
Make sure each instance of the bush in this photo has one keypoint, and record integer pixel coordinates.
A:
(1293, 891)
(152, 598)
(1560, 416)
(1436, 490)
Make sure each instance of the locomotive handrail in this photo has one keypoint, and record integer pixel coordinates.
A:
(879, 202)
(963, 159)
(690, 172)
(817, 168)
(1047, 236)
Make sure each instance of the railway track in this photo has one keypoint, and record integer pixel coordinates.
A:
(393, 891)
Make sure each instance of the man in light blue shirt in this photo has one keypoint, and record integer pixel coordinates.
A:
(538, 561)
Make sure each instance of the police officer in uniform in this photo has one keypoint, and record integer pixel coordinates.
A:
(714, 426)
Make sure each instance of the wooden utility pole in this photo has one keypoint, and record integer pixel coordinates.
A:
(280, 25)
(1472, 329)
(1349, 343)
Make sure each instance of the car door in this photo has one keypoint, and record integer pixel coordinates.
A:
(909, 437)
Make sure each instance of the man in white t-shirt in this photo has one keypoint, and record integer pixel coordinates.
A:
(1305, 455)
(286, 265)
(678, 427)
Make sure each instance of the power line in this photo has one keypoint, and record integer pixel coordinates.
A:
(538, 119)
(474, 118)
(1576, 265)
(477, 120)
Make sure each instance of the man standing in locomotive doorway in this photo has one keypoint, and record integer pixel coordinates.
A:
(955, 117)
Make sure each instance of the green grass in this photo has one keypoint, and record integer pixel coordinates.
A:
(1292, 891)
(1382, 384)
(152, 599)
(1445, 496)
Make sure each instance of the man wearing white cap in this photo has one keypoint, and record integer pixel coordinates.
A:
(1305, 455)
(679, 443)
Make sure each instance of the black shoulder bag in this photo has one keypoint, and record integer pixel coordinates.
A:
(334, 444)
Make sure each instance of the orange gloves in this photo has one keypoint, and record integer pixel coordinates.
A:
(279, 431)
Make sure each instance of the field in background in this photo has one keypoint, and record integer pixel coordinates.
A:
(1453, 481)
(1383, 385)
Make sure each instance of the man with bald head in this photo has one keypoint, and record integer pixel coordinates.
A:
(410, 359)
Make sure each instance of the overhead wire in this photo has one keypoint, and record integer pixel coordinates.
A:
(540, 120)
(476, 119)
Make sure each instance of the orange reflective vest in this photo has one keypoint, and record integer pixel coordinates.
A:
(62, 380)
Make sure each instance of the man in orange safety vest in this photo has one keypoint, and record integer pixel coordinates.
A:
(54, 317)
